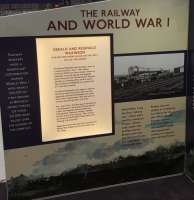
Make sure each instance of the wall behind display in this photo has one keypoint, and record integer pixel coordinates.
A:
(190, 98)
(10, 7)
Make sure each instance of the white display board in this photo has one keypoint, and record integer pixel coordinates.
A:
(75, 86)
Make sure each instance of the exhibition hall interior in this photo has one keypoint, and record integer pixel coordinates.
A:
(97, 100)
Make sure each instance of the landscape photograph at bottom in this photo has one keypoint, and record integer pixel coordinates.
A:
(72, 166)
(160, 162)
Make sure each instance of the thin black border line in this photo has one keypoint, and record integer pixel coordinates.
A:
(150, 53)
(112, 97)
(186, 72)
(186, 76)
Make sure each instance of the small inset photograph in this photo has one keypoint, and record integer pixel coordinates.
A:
(146, 77)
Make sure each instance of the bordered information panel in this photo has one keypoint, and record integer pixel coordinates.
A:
(56, 88)
(63, 86)
(75, 86)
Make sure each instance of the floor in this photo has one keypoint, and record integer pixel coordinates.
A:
(175, 188)
(2, 191)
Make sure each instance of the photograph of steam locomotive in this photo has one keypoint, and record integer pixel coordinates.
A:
(151, 76)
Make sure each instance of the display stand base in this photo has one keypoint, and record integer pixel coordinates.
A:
(177, 187)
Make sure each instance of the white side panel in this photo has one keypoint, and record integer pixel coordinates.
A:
(2, 160)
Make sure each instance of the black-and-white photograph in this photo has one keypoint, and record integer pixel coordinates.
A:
(145, 77)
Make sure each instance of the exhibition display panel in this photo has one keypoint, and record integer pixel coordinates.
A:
(93, 96)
